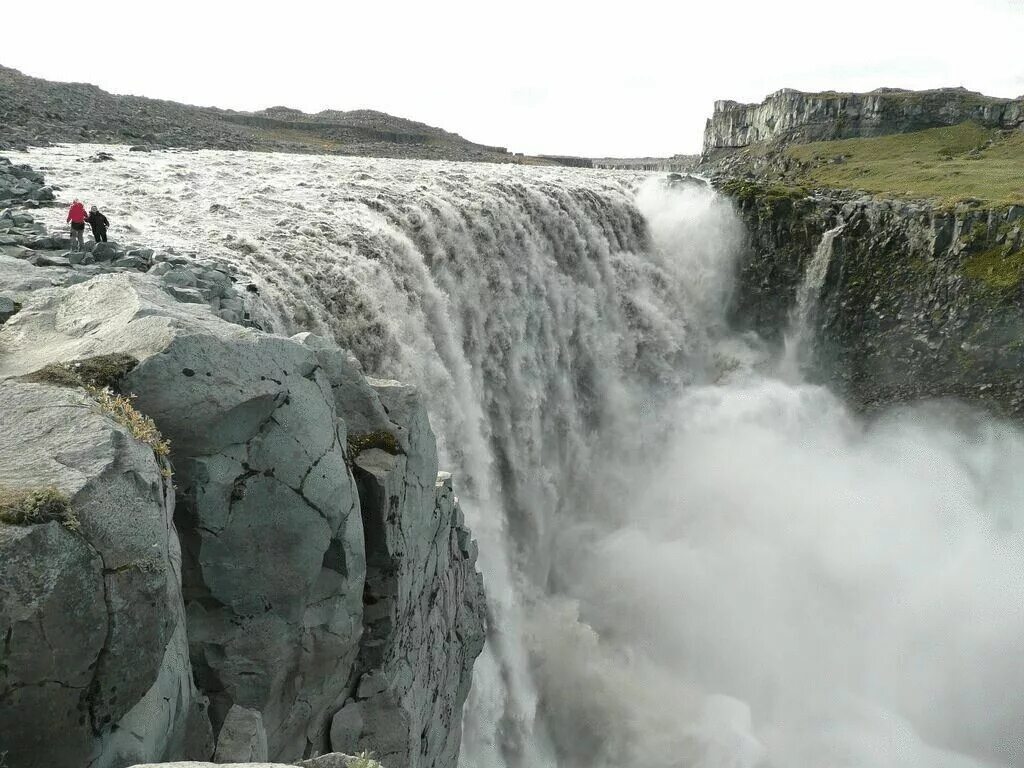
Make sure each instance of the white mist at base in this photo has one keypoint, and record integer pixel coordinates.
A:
(690, 562)
(792, 587)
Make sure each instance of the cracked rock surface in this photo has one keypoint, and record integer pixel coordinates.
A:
(95, 666)
(315, 578)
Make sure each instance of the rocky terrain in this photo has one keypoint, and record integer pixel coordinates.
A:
(35, 112)
(790, 115)
(217, 543)
(924, 284)
(918, 302)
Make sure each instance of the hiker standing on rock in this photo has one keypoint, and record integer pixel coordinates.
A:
(77, 217)
(99, 224)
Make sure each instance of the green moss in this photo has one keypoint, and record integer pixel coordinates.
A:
(950, 165)
(36, 506)
(380, 439)
(997, 268)
(102, 371)
(746, 191)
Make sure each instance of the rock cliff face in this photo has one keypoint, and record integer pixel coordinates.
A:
(323, 565)
(917, 302)
(791, 115)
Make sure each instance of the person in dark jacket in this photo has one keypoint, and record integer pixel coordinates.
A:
(99, 225)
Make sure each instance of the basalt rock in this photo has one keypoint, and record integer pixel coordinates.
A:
(790, 115)
(284, 622)
(95, 658)
(918, 301)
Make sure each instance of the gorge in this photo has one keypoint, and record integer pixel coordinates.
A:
(698, 547)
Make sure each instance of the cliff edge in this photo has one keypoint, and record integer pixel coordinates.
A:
(217, 542)
(794, 116)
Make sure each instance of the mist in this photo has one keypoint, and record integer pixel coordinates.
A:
(783, 582)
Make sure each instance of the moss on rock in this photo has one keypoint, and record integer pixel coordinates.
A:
(381, 439)
(36, 506)
(998, 268)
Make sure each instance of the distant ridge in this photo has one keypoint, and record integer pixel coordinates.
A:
(37, 111)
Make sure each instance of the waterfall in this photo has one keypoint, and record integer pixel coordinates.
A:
(799, 338)
(689, 559)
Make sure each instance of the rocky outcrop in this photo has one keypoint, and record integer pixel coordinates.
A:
(423, 598)
(917, 302)
(187, 279)
(790, 115)
(321, 567)
(242, 738)
(95, 667)
(20, 184)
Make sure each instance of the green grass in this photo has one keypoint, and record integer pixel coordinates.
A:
(996, 267)
(949, 165)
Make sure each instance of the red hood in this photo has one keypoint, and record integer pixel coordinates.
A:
(77, 213)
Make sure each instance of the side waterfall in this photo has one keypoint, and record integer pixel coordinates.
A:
(799, 337)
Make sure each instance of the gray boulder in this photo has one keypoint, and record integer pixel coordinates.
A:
(242, 737)
(131, 262)
(268, 514)
(100, 593)
(180, 277)
(106, 251)
(8, 308)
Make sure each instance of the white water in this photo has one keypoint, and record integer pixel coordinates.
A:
(690, 562)
(799, 338)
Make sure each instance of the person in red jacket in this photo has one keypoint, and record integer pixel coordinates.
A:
(77, 217)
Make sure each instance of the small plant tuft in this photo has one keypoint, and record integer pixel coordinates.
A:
(142, 428)
(364, 760)
(34, 507)
(380, 439)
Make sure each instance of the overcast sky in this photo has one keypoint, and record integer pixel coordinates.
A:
(541, 76)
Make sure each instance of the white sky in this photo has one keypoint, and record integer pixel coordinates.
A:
(540, 76)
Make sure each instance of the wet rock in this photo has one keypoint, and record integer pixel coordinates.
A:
(242, 737)
(131, 262)
(106, 251)
(186, 295)
(48, 260)
(8, 308)
(179, 277)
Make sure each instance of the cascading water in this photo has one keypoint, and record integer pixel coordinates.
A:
(800, 334)
(690, 562)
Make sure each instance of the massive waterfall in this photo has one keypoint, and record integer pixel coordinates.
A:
(690, 561)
